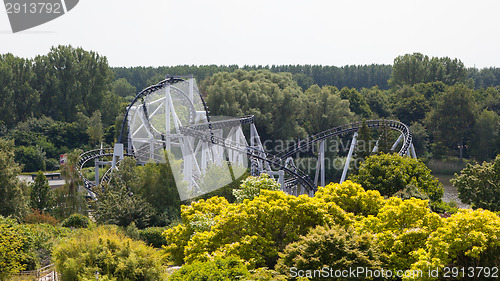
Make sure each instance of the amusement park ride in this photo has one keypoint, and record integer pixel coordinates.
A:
(207, 152)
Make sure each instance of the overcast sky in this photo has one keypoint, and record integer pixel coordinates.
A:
(257, 32)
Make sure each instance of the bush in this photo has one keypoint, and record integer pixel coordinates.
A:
(351, 197)
(479, 185)
(390, 173)
(37, 216)
(442, 207)
(333, 246)
(13, 246)
(230, 268)
(466, 239)
(77, 221)
(132, 231)
(42, 237)
(153, 236)
(265, 274)
(251, 187)
(254, 230)
(401, 227)
(107, 251)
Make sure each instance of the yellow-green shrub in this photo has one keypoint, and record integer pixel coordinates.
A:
(351, 197)
(13, 244)
(334, 246)
(107, 251)
(401, 227)
(255, 230)
(197, 217)
(224, 269)
(466, 239)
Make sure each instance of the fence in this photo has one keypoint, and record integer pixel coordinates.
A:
(46, 273)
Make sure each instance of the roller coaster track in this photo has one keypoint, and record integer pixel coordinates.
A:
(351, 128)
(197, 131)
(92, 155)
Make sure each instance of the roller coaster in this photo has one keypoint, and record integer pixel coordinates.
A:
(207, 152)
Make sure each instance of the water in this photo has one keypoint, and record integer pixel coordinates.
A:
(450, 192)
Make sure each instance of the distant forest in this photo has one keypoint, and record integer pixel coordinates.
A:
(350, 76)
(71, 98)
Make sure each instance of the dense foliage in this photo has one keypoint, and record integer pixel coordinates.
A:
(336, 247)
(394, 234)
(251, 187)
(108, 252)
(13, 193)
(390, 173)
(76, 221)
(145, 195)
(479, 185)
(11, 248)
(223, 269)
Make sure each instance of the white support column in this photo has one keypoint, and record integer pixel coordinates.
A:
(117, 154)
(349, 155)
(316, 174)
(191, 89)
(96, 180)
(412, 149)
(168, 102)
(376, 147)
(397, 142)
(188, 161)
(322, 161)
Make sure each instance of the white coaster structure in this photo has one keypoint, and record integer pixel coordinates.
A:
(170, 122)
(157, 122)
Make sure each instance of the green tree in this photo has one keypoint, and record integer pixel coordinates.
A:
(452, 120)
(390, 173)
(411, 69)
(409, 105)
(303, 80)
(420, 139)
(70, 80)
(123, 201)
(18, 97)
(41, 197)
(271, 97)
(364, 145)
(31, 157)
(322, 109)
(357, 102)
(122, 88)
(486, 135)
(378, 101)
(158, 187)
(95, 129)
(479, 185)
(13, 193)
(70, 198)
